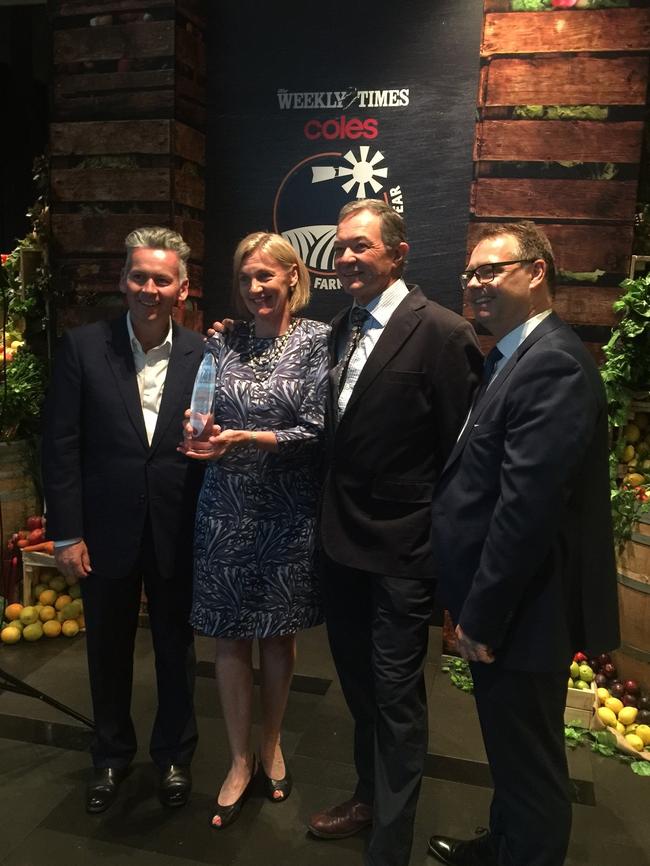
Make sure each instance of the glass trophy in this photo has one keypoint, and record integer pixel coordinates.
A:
(201, 408)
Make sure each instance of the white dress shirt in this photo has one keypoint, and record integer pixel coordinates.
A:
(151, 370)
(381, 309)
(509, 344)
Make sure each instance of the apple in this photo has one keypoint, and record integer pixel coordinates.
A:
(643, 717)
(609, 670)
(629, 700)
(617, 690)
(594, 664)
(580, 658)
(601, 680)
(632, 687)
(644, 702)
(605, 659)
(35, 536)
(34, 522)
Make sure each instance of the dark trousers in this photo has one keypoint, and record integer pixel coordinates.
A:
(522, 720)
(378, 628)
(111, 609)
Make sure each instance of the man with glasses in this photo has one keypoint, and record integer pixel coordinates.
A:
(522, 540)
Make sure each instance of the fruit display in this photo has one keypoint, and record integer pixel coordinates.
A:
(620, 705)
(56, 609)
(32, 538)
(635, 455)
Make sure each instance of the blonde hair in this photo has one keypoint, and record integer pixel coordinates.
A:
(279, 249)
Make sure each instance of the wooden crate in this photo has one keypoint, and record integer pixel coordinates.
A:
(580, 706)
(573, 58)
(127, 145)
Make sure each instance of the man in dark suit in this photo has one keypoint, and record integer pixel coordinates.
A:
(523, 545)
(120, 506)
(401, 382)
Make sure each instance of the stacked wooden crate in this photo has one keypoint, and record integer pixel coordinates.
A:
(558, 140)
(127, 144)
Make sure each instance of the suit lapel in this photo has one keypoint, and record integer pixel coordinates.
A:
(120, 360)
(182, 356)
(550, 323)
(398, 329)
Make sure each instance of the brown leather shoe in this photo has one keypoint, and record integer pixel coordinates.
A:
(341, 821)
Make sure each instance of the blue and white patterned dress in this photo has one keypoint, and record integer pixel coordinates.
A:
(254, 573)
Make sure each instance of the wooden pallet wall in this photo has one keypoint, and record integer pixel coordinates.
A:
(127, 144)
(560, 119)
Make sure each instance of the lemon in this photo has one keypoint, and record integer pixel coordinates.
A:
(630, 729)
(10, 634)
(33, 631)
(628, 453)
(13, 611)
(52, 628)
(635, 741)
(47, 613)
(603, 694)
(47, 597)
(57, 582)
(627, 715)
(643, 731)
(620, 728)
(28, 615)
(632, 433)
(70, 628)
(607, 717)
(61, 602)
(615, 706)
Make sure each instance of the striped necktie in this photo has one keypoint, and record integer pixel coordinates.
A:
(358, 316)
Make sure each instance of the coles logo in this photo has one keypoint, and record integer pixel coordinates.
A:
(341, 127)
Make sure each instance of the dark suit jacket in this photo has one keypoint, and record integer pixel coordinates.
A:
(398, 428)
(521, 518)
(100, 475)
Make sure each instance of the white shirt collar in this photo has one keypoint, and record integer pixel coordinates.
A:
(384, 305)
(509, 344)
(136, 346)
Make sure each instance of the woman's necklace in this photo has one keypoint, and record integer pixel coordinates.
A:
(263, 361)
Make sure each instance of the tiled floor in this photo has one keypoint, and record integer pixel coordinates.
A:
(43, 767)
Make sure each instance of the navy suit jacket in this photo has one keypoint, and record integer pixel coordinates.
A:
(101, 477)
(522, 532)
(392, 441)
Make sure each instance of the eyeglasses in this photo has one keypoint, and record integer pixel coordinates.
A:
(486, 273)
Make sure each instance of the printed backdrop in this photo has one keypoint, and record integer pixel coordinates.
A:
(314, 105)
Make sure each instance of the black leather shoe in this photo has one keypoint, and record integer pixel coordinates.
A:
(102, 789)
(175, 785)
(464, 852)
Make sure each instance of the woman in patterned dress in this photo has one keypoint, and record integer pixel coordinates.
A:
(254, 542)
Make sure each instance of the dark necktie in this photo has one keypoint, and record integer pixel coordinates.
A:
(493, 358)
(358, 316)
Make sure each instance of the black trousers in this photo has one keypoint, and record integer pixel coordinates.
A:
(111, 609)
(378, 628)
(522, 720)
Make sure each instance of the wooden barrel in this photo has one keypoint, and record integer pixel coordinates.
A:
(18, 496)
(633, 658)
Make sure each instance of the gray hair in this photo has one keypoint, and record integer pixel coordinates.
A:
(392, 225)
(158, 238)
